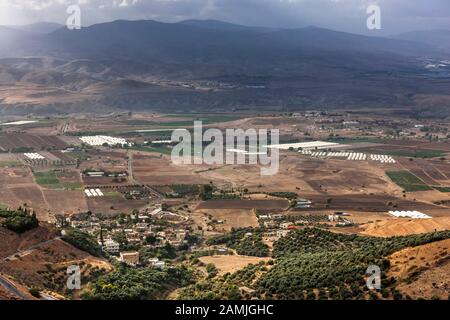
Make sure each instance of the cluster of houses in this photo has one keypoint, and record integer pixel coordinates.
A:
(132, 258)
(271, 220)
(341, 219)
(136, 230)
(278, 227)
(140, 231)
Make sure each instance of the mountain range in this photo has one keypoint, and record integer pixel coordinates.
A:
(195, 64)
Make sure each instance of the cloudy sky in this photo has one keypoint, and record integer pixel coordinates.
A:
(347, 15)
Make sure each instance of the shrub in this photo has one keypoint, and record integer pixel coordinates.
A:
(20, 220)
(82, 241)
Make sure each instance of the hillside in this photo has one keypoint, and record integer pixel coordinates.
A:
(400, 227)
(39, 259)
(422, 272)
(315, 264)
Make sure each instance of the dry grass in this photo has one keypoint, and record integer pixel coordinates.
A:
(232, 218)
(400, 227)
(423, 271)
(231, 263)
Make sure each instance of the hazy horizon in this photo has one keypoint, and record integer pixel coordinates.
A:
(397, 16)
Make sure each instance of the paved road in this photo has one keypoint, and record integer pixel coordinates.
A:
(11, 288)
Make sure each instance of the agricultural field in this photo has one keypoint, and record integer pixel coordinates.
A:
(435, 173)
(23, 142)
(155, 169)
(245, 204)
(409, 148)
(231, 263)
(104, 160)
(153, 149)
(113, 203)
(228, 218)
(65, 201)
(57, 180)
(142, 123)
(10, 164)
(272, 259)
(428, 184)
(408, 181)
(407, 152)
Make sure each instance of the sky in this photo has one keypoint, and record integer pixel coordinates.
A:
(347, 15)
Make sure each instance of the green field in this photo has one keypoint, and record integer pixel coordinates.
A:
(113, 194)
(206, 120)
(162, 126)
(344, 140)
(10, 164)
(46, 179)
(163, 150)
(407, 181)
(425, 154)
(80, 155)
(421, 153)
(214, 118)
(442, 189)
(49, 180)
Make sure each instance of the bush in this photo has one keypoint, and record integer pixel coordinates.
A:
(205, 192)
(35, 292)
(249, 245)
(20, 220)
(316, 259)
(127, 283)
(82, 241)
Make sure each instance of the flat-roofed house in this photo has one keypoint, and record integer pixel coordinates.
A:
(111, 246)
(130, 258)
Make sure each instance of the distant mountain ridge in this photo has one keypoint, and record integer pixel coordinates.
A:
(152, 39)
(220, 25)
(39, 27)
(148, 64)
(437, 38)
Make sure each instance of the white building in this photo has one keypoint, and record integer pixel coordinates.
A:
(111, 246)
(155, 263)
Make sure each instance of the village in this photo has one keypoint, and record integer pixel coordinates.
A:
(123, 236)
(115, 193)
